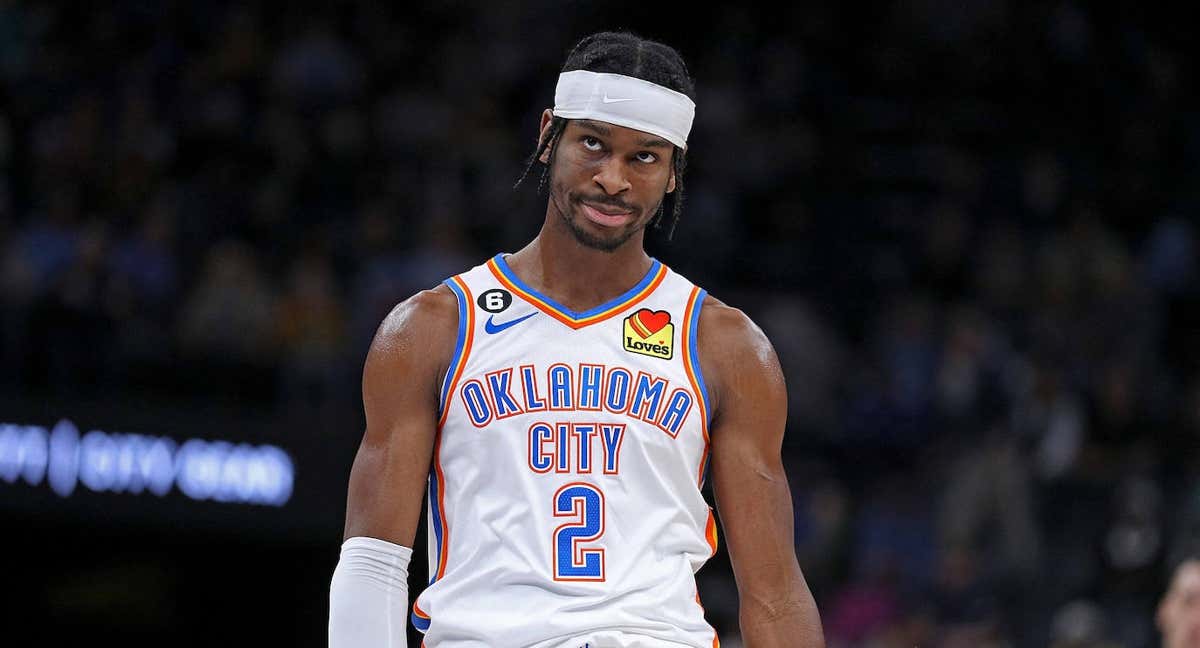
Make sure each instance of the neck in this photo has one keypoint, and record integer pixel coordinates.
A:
(574, 275)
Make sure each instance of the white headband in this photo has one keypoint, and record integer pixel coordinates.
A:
(625, 101)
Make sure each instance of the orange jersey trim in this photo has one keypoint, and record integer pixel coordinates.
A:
(458, 362)
(693, 304)
(444, 547)
(710, 531)
(567, 318)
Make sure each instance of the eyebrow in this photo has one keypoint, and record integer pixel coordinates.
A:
(655, 142)
(602, 129)
(594, 126)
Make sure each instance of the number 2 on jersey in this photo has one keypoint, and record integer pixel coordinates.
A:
(573, 562)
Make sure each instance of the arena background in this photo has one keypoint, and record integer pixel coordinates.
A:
(968, 227)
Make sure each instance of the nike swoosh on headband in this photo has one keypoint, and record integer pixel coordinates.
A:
(625, 101)
(492, 328)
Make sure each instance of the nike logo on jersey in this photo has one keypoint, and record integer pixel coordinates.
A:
(606, 99)
(493, 328)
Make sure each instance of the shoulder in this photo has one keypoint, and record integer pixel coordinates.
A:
(416, 337)
(722, 326)
(424, 312)
(735, 354)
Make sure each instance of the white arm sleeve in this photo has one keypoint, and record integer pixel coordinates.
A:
(368, 597)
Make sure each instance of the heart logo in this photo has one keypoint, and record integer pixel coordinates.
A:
(649, 333)
(647, 322)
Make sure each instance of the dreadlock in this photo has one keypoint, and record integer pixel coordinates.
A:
(631, 55)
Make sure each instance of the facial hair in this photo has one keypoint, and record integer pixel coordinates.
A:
(583, 236)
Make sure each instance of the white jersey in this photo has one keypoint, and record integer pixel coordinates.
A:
(564, 497)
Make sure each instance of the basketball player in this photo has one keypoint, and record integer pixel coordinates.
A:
(561, 405)
(1179, 611)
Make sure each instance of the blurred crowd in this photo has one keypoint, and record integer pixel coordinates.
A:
(969, 228)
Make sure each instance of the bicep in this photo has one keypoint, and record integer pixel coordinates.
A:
(749, 482)
(750, 485)
(387, 480)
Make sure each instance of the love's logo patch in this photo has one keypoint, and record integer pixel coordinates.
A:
(650, 333)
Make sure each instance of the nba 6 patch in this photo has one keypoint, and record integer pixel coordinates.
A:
(650, 333)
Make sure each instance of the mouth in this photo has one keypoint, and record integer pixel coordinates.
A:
(606, 215)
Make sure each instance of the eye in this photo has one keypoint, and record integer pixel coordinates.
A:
(646, 157)
(591, 143)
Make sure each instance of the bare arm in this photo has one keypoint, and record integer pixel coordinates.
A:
(400, 387)
(750, 411)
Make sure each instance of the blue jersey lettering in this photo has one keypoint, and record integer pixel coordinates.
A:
(498, 382)
(560, 387)
(590, 379)
(647, 396)
(476, 403)
(676, 412)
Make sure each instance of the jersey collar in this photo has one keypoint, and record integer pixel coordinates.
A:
(573, 319)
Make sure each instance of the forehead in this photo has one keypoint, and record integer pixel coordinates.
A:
(622, 133)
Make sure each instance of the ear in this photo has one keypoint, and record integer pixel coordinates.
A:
(547, 117)
(671, 165)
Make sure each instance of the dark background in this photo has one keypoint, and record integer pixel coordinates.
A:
(968, 227)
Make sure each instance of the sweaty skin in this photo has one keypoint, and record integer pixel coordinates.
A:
(409, 355)
(582, 261)
(750, 412)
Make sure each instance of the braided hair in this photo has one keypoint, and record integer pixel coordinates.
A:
(631, 55)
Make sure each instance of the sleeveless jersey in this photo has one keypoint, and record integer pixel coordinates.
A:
(564, 495)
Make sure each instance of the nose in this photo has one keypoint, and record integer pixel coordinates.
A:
(611, 177)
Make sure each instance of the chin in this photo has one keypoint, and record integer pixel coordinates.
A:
(606, 241)
(602, 243)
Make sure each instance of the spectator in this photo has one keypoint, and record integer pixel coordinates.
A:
(225, 326)
(311, 331)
